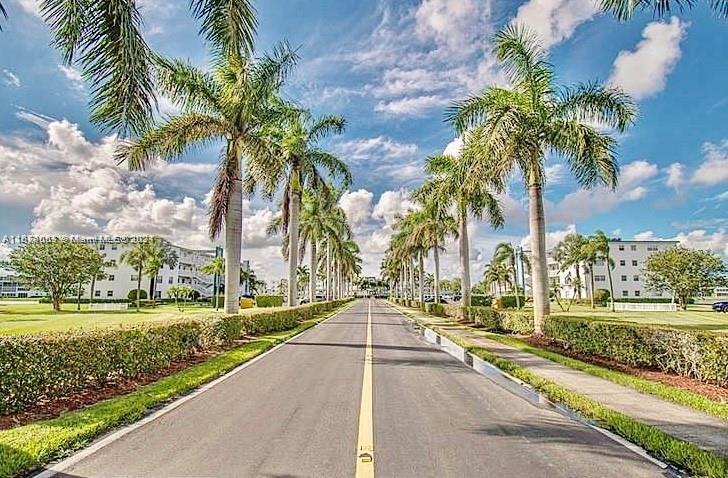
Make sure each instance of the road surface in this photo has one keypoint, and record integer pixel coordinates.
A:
(364, 382)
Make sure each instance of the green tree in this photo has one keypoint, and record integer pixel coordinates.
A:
(237, 104)
(216, 267)
(98, 272)
(249, 278)
(159, 254)
(599, 243)
(624, 9)
(506, 254)
(569, 253)
(53, 267)
(180, 292)
(303, 277)
(684, 272)
(136, 257)
(512, 128)
(457, 181)
(298, 167)
(90, 265)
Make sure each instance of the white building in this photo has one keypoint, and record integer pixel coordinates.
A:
(627, 276)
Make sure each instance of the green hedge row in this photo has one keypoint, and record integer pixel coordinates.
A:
(650, 300)
(269, 300)
(512, 322)
(698, 354)
(45, 366)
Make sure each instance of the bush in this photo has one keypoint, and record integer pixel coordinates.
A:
(478, 300)
(269, 300)
(46, 366)
(73, 300)
(649, 300)
(601, 296)
(484, 317)
(702, 355)
(509, 301)
(132, 295)
(437, 310)
(516, 322)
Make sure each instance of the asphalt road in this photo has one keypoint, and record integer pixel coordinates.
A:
(295, 413)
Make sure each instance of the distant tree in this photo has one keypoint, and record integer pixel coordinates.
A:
(159, 254)
(599, 243)
(90, 265)
(53, 267)
(98, 272)
(684, 272)
(570, 253)
(180, 292)
(136, 257)
(216, 267)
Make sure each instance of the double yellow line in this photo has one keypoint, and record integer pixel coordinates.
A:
(365, 446)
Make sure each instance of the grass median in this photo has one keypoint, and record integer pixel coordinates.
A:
(25, 448)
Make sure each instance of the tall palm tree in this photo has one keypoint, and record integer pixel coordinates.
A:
(458, 181)
(570, 253)
(624, 9)
(136, 257)
(159, 254)
(600, 244)
(103, 38)
(215, 267)
(298, 167)
(513, 128)
(237, 104)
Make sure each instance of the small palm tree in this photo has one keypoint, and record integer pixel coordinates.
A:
(136, 257)
(458, 182)
(298, 167)
(159, 254)
(506, 254)
(215, 268)
(600, 244)
(249, 278)
(624, 9)
(236, 103)
(570, 253)
(303, 276)
(507, 129)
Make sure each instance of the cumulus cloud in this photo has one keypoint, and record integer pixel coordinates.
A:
(392, 204)
(716, 241)
(714, 168)
(675, 176)
(411, 106)
(376, 149)
(555, 20)
(643, 71)
(552, 237)
(357, 205)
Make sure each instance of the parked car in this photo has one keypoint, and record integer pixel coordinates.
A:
(721, 306)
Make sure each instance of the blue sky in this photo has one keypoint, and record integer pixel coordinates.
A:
(390, 68)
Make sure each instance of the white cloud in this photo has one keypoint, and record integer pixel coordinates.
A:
(392, 204)
(357, 205)
(714, 169)
(555, 173)
(11, 79)
(675, 176)
(31, 6)
(552, 237)
(411, 106)
(716, 241)
(72, 75)
(452, 24)
(454, 147)
(643, 71)
(376, 149)
(555, 20)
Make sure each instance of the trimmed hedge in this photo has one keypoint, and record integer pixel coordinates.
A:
(509, 301)
(512, 322)
(698, 354)
(479, 300)
(46, 366)
(269, 300)
(649, 300)
(132, 295)
(73, 300)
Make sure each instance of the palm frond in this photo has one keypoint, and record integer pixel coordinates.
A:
(625, 9)
(326, 125)
(228, 25)
(524, 60)
(592, 102)
(228, 173)
(187, 86)
(590, 154)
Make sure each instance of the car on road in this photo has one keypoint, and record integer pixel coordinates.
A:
(720, 306)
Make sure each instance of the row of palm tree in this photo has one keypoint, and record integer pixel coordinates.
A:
(147, 257)
(509, 130)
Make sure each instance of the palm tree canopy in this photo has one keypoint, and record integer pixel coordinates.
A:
(624, 9)
(570, 251)
(514, 128)
(237, 103)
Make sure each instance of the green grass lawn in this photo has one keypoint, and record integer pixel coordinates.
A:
(24, 317)
(697, 316)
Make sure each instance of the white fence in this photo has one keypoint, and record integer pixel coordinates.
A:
(644, 307)
(108, 306)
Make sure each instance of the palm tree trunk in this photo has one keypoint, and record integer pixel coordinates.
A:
(591, 284)
(422, 280)
(412, 277)
(539, 276)
(139, 288)
(515, 283)
(328, 268)
(578, 278)
(436, 254)
(233, 244)
(464, 256)
(611, 284)
(314, 268)
(293, 248)
(93, 288)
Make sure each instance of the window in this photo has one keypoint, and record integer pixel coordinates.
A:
(652, 248)
(624, 278)
(633, 247)
(102, 247)
(171, 280)
(625, 293)
(600, 278)
(114, 247)
(111, 277)
(112, 262)
(621, 247)
(622, 263)
(634, 263)
(159, 279)
(636, 293)
(134, 277)
(599, 262)
(109, 293)
(636, 278)
(97, 293)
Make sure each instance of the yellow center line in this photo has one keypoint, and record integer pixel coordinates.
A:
(365, 447)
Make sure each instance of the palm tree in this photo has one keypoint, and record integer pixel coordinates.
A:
(624, 9)
(215, 268)
(570, 253)
(600, 244)
(297, 167)
(303, 277)
(98, 272)
(159, 254)
(136, 257)
(103, 37)
(513, 128)
(505, 254)
(248, 277)
(457, 181)
(236, 103)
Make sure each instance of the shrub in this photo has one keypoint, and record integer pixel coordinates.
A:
(269, 300)
(132, 295)
(484, 317)
(509, 301)
(516, 321)
(698, 354)
(73, 300)
(46, 366)
(649, 300)
(478, 300)
(416, 304)
(601, 296)
(435, 309)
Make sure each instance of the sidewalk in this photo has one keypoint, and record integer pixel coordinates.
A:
(703, 430)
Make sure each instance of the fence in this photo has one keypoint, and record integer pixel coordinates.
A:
(109, 306)
(644, 307)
